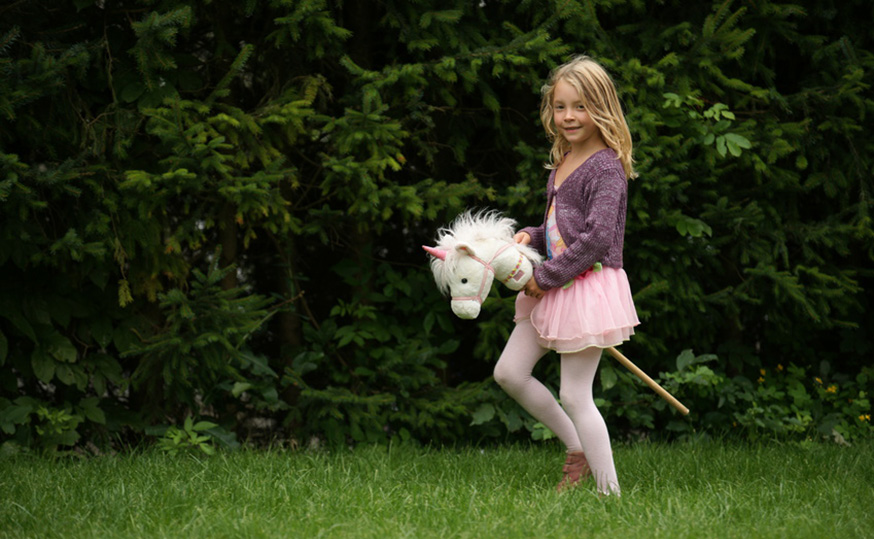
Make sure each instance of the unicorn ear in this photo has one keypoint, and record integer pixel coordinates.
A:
(464, 248)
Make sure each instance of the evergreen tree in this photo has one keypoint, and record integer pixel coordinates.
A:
(214, 208)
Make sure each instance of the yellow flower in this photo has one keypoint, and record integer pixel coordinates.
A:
(779, 367)
(818, 380)
(762, 372)
(832, 389)
(761, 379)
(865, 417)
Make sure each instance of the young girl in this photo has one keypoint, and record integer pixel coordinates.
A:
(579, 301)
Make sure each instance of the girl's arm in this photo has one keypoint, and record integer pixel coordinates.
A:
(597, 236)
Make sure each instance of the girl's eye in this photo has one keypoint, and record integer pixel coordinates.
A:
(464, 281)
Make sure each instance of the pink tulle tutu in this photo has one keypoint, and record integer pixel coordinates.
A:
(595, 310)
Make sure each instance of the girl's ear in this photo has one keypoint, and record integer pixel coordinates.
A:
(465, 249)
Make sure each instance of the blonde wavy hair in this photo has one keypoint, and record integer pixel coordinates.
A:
(598, 95)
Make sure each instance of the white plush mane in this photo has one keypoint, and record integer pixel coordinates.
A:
(474, 229)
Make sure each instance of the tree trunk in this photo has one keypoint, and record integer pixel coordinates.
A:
(228, 241)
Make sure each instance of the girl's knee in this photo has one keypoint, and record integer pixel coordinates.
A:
(502, 374)
(506, 376)
(568, 402)
(575, 401)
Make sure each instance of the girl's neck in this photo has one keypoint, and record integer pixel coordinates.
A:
(581, 152)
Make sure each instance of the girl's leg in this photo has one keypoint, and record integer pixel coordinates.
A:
(577, 374)
(513, 374)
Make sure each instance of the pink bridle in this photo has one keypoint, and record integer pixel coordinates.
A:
(489, 268)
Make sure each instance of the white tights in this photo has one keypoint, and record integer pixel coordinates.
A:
(577, 421)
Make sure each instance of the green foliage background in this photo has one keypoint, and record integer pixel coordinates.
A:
(214, 209)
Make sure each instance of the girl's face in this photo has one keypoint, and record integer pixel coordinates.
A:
(571, 119)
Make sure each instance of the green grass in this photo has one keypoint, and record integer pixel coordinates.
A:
(679, 490)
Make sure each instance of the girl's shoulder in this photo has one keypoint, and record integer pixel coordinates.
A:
(606, 166)
(606, 159)
(600, 166)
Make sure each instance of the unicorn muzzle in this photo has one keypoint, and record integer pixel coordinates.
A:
(466, 309)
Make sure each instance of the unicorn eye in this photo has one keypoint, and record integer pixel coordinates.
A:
(464, 281)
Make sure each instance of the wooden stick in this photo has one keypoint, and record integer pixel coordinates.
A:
(649, 381)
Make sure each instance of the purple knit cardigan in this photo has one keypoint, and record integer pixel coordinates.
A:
(590, 212)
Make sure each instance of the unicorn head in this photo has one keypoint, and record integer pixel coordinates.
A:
(474, 250)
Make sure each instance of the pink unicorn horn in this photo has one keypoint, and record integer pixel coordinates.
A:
(438, 253)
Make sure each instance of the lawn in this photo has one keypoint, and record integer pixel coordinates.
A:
(669, 490)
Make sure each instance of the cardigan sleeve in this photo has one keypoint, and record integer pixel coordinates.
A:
(590, 237)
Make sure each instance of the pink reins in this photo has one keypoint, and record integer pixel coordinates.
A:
(488, 265)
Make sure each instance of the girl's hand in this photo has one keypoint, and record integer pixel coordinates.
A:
(532, 289)
(523, 238)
